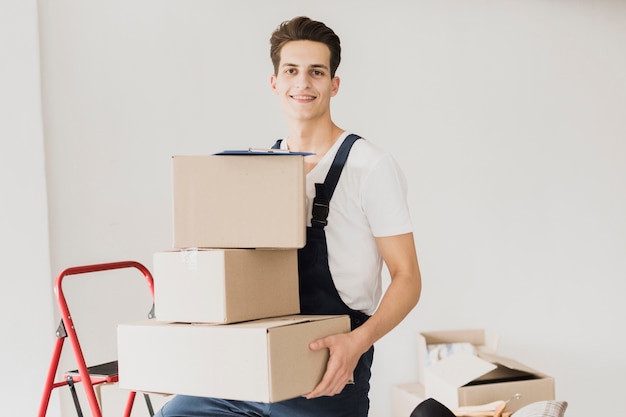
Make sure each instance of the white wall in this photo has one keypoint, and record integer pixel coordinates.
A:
(25, 297)
(508, 118)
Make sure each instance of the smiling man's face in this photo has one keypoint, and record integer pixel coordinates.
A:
(303, 83)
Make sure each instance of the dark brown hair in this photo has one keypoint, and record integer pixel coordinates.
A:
(304, 29)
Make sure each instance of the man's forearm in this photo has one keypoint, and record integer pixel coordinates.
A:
(400, 298)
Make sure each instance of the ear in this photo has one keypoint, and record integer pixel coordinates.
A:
(273, 83)
(334, 88)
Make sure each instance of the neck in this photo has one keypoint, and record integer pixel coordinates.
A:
(314, 137)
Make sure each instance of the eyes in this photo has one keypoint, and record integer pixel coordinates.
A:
(314, 72)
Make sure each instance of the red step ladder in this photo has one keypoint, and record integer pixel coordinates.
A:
(93, 375)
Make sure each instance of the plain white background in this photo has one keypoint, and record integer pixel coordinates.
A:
(508, 118)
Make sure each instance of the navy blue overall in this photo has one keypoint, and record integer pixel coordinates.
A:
(318, 295)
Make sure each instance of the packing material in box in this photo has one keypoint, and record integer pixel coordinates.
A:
(435, 345)
(465, 379)
(225, 285)
(265, 360)
(239, 201)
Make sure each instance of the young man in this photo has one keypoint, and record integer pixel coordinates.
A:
(356, 200)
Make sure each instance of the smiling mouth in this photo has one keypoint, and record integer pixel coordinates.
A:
(303, 98)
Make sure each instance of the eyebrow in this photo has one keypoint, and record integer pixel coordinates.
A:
(322, 66)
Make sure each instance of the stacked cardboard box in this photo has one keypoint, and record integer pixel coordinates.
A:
(226, 297)
(461, 368)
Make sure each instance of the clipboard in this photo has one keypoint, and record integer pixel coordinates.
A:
(257, 151)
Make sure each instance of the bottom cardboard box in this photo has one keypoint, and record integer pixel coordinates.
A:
(265, 360)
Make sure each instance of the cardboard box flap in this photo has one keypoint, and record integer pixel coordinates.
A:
(509, 363)
(473, 336)
(483, 341)
(460, 369)
(283, 321)
(262, 324)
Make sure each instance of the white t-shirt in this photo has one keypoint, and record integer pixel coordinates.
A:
(369, 201)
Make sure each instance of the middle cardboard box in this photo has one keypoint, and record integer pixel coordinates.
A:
(225, 285)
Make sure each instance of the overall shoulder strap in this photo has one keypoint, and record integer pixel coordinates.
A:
(324, 192)
(332, 178)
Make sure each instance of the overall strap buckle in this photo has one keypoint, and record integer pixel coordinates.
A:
(321, 206)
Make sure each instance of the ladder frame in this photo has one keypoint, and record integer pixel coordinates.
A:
(66, 330)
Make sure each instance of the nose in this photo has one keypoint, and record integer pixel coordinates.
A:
(303, 81)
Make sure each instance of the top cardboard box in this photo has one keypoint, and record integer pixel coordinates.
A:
(239, 201)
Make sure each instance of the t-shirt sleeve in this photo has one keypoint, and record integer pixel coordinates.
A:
(384, 198)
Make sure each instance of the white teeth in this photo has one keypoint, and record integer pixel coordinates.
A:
(303, 97)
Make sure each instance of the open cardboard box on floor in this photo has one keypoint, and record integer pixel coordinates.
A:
(464, 379)
(225, 285)
(239, 201)
(262, 360)
(428, 342)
